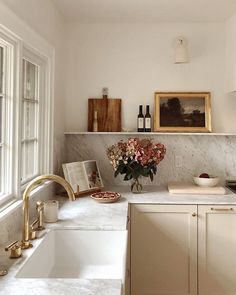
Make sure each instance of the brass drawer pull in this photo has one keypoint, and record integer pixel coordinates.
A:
(194, 214)
(222, 209)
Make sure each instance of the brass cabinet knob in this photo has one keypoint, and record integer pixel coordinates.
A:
(194, 214)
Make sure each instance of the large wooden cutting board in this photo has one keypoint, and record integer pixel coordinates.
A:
(189, 188)
(109, 114)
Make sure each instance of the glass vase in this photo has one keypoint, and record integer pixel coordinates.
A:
(136, 185)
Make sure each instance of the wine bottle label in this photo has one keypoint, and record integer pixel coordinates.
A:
(147, 123)
(140, 123)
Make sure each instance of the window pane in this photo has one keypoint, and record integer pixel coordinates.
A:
(29, 160)
(1, 121)
(29, 125)
(30, 80)
(29, 120)
(1, 68)
(1, 179)
(1, 89)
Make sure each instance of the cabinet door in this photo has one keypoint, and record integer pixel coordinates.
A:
(217, 250)
(163, 250)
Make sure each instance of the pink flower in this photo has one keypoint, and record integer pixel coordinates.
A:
(143, 151)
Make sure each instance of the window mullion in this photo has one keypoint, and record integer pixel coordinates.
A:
(29, 139)
(30, 100)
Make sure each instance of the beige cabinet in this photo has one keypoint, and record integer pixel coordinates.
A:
(217, 250)
(176, 251)
(163, 249)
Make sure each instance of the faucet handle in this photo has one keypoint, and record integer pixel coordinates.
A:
(32, 232)
(15, 248)
(39, 205)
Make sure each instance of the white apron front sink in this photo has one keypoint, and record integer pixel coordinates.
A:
(78, 254)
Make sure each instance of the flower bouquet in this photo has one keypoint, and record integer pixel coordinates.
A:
(136, 157)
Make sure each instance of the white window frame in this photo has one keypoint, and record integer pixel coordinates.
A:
(45, 111)
(17, 51)
(10, 114)
(38, 119)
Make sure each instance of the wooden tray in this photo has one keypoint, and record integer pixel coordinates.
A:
(189, 188)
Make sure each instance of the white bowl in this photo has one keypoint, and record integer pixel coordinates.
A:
(207, 182)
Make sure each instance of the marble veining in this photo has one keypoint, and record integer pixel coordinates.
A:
(213, 154)
(86, 213)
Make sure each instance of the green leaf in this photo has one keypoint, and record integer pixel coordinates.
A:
(128, 177)
(116, 173)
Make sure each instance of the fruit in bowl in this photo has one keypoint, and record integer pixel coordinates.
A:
(204, 175)
(204, 179)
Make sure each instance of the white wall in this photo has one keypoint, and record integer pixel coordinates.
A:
(230, 68)
(135, 60)
(43, 19)
(231, 54)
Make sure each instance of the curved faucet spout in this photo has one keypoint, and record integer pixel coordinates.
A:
(32, 185)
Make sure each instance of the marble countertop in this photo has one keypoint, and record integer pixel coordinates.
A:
(86, 213)
(160, 195)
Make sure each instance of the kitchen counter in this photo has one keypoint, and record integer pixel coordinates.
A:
(86, 213)
(160, 195)
(60, 287)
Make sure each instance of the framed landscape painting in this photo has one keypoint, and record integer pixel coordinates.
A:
(182, 111)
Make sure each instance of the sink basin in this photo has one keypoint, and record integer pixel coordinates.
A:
(78, 254)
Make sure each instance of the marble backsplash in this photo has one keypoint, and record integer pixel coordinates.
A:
(186, 155)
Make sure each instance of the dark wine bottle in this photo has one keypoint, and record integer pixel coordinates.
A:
(140, 121)
(148, 120)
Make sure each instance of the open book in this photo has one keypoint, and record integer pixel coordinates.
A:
(83, 176)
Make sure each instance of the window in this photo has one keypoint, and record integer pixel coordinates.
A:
(1, 115)
(6, 116)
(25, 116)
(29, 122)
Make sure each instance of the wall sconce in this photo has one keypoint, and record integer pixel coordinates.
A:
(181, 51)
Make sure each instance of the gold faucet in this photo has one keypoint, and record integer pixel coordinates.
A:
(32, 185)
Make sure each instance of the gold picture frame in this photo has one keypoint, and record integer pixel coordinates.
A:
(182, 112)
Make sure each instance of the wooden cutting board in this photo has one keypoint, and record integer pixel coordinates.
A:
(189, 188)
(108, 112)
